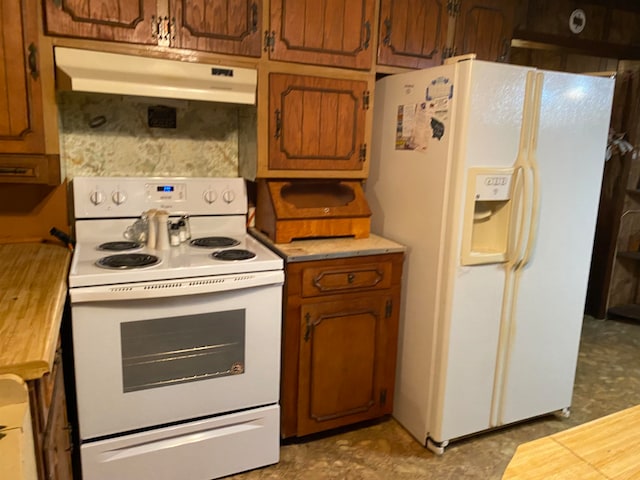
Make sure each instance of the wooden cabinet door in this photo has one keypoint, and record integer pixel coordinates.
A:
(316, 123)
(336, 33)
(220, 26)
(111, 20)
(21, 116)
(343, 353)
(412, 32)
(56, 444)
(484, 27)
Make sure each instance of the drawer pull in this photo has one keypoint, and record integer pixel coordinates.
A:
(351, 277)
(13, 171)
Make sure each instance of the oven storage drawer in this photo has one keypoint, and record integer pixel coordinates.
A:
(324, 280)
(198, 450)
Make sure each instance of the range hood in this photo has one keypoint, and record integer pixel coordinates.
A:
(101, 72)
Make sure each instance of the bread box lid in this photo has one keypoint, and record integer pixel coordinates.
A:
(303, 208)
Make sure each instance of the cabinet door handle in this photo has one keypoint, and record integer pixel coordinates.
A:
(387, 36)
(307, 332)
(367, 34)
(505, 50)
(278, 124)
(254, 17)
(33, 61)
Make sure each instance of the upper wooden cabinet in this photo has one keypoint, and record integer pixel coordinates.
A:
(421, 34)
(220, 26)
(317, 123)
(412, 32)
(23, 70)
(335, 33)
(111, 20)
(484, 27)
(21, 114)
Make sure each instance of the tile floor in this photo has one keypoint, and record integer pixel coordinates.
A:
(607, 380)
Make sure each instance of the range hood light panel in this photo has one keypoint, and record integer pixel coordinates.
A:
(101, 72)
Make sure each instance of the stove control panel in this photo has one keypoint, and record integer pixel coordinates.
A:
(166, 192)
(114, 197)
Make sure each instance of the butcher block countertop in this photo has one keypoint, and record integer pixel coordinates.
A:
(606, 448)
(33, 289)
(326, 248)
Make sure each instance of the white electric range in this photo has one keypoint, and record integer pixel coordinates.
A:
(176, 348)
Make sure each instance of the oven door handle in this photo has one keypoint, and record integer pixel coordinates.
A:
(175, 288)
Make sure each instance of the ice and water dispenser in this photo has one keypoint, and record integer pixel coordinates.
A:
(487, 216)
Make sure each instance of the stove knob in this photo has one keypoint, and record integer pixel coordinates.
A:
(228, 196)
(210, 196)
(96, 197)
(118, 197)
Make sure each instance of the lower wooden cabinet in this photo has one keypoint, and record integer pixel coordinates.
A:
(52, 438)
(339, 342)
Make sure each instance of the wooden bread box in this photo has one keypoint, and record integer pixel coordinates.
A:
(300, 208)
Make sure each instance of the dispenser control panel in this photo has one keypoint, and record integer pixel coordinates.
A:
(493, 186)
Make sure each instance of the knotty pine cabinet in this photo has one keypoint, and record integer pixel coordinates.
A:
(335, 33)
(223, 26)
(413, 33)
(340, 336)
(483, 27)
(23, 148)
(51, 427)
(421, 34)
(317, 124)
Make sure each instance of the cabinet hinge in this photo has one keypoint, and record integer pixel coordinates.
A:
(453, 8)
(388, 308)
(447, 52)
(383, 396)
(363, 152)
(366, 95)
(269, 40)
(163, 30)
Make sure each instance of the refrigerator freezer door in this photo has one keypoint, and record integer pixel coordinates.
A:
(543, 348)
(489, 137)
(407, 192)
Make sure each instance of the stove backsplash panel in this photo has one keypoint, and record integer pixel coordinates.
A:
(109, 135)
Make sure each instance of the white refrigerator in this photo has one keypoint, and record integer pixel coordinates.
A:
(490, 175)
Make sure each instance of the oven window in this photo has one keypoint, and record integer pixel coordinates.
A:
(167, 351)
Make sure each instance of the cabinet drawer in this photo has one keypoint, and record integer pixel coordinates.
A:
(41, 169)
(324, 281)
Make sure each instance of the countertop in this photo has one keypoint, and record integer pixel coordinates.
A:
(33, 289)
(600, 449)
(326, 248)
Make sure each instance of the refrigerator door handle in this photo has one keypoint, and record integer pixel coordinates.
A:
(521, 220)
(533, 167)
(516, 222)
(530, 169)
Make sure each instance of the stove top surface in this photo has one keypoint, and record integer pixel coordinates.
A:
(245, 254)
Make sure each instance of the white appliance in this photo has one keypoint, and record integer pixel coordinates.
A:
(177, 362)
(116, 73)
(490, 174)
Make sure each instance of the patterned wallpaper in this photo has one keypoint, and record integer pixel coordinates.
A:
(108, 135)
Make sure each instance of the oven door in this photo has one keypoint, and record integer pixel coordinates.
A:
(155, 353)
